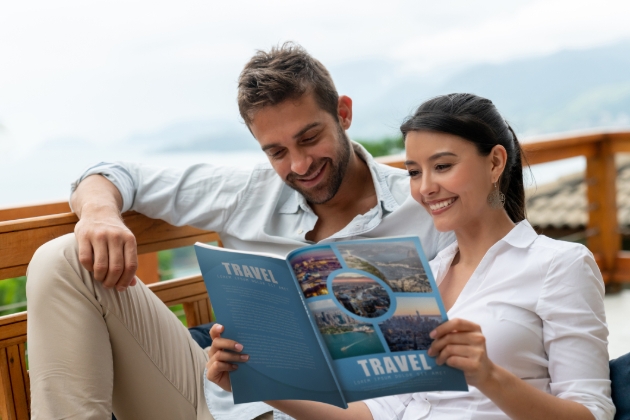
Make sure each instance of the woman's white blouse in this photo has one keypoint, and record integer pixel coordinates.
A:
(540, 305)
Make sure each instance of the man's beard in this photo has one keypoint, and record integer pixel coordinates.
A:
(336, 172)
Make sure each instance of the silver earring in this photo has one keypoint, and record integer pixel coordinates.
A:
(496, 199)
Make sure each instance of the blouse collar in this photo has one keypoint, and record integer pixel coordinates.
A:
(521, 236)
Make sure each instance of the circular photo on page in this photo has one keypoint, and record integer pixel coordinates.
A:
(361, 295)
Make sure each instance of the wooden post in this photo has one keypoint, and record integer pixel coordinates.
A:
(148, 268)
(601, 174)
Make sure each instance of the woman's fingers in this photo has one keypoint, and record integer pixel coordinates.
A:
(467, 338)
(225, 345)
(454, 325)
(459, 350)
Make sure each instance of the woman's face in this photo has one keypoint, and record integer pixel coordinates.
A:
(449, 178)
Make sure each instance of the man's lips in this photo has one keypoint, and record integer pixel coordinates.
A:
(313, 178)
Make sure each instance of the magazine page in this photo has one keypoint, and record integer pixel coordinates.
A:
(255, 298)
(375, 302)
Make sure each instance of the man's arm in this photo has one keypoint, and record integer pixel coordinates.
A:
(106, 246)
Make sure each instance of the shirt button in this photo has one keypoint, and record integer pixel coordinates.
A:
(300, 231)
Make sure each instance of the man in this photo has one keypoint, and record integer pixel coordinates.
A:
(97, 343)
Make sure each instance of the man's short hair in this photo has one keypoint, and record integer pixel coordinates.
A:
(285, 72)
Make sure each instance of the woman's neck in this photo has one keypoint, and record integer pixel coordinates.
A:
(475, 239)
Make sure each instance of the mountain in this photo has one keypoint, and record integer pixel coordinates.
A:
(568, 90)
(197, 136)
(564, 91)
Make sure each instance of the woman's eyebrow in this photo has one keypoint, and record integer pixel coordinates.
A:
(441, 154)
(433, 157)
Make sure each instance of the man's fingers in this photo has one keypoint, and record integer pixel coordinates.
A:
(101, 258)
(86, 256)
(130, 253)
(116, 261)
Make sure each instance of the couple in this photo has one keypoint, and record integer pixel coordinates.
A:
(527, 319)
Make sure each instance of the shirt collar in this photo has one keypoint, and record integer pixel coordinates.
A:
(521, 236)
(295, 201)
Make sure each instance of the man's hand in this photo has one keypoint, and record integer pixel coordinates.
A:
(107, 247)
(223, 356)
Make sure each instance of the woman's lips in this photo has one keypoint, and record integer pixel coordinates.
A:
(440, 206)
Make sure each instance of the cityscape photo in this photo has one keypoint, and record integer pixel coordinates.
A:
(396, 263)
(344, 336)
(361, 295)
(312, 268)
(409, 327)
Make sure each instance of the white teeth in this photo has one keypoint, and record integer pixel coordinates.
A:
(441, 204)
(313, 176)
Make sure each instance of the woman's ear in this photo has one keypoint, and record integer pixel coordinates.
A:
(498, 160)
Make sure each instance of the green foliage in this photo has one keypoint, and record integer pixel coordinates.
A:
(165, 264)
(383, 147)
(12, 291)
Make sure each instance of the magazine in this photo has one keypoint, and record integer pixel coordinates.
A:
(335, 322)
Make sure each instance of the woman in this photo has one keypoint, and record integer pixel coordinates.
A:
(527, 324)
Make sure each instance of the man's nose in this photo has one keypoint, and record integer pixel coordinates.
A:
(300, 162)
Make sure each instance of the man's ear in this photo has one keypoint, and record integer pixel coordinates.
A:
(344, 111)
(498, 160)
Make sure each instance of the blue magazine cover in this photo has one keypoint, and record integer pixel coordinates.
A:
(336, 322)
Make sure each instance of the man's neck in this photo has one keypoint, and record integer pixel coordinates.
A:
(356, 195)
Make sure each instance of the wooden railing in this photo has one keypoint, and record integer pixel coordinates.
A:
(23, 230)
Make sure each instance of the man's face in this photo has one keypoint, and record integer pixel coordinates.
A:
(306, 146)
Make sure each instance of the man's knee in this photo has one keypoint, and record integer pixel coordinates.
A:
(60, 254)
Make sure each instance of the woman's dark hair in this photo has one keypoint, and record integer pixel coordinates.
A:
(477, 120)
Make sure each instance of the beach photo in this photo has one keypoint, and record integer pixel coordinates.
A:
(409, 327)
(344, 336)
(312, 268)
(361, 295)
(396, 263)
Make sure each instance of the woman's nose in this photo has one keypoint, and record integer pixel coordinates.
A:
(428, 186)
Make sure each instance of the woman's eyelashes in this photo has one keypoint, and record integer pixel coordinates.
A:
(441, 167)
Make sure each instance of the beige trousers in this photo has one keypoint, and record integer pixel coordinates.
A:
(94, 350)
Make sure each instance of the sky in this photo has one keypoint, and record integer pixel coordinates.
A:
(103, 71)
(406, 306)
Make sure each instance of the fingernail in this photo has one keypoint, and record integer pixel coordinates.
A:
(244, 356)
(432, 334)
(234, 367)
(238, 347)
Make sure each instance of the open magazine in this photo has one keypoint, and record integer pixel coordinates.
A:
(336, 322)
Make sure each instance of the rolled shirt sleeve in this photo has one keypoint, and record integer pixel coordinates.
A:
(571, 307)
(201, 195)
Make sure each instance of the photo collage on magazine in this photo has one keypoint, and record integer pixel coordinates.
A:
(368, 297)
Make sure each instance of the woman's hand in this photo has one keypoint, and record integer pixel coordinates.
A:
(223, 353)
(460, 344)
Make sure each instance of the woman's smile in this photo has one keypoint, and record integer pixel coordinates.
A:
(440, 206)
